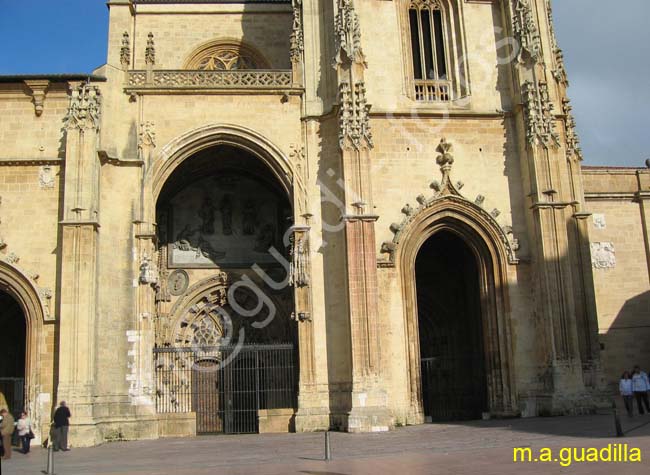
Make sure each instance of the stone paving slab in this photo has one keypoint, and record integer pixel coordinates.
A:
(484, 447)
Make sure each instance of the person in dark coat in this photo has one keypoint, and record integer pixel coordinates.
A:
(61, 423)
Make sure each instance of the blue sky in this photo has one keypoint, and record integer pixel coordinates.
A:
(606, 47)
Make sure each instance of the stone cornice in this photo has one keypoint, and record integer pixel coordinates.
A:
(6, 161)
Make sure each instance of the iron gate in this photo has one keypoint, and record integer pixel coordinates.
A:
(449, 391)
(225, 386)
(13, 390)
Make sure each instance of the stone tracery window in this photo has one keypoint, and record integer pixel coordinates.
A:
(427, 40)
(433, 38)
(226, 56)
(428, 51)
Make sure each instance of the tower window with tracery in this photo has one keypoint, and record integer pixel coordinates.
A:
(428, 52)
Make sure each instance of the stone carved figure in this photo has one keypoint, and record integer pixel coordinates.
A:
(150, 51)
(249, 218)
(125, 51)
(265, 238)
(298, 268)
(203, 248)
(226, 215)
(148, 271)
(206, 213)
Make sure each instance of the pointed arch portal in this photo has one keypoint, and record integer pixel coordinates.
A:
(453, 262)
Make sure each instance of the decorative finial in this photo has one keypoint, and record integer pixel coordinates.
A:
(445, 157)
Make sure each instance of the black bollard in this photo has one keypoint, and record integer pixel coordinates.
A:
(50, 460)
(328, 451)
(617, 421)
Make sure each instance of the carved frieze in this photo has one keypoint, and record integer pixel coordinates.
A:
(538, 115)
(603, 255)
(354, 123)
(526, 32)
(150, 51)
(85, 108)
(348, 34)
(297, 38)
(125, 51)
(572, 140)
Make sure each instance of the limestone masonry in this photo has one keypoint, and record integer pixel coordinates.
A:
(271, 216)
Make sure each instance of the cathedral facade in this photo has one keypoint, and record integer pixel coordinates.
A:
(264, 216)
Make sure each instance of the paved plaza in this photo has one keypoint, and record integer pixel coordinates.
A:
(484, 447)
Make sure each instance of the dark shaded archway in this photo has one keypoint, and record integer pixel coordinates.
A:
(450, 330)
(13, 347)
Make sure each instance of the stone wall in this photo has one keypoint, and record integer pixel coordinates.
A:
(617, 197)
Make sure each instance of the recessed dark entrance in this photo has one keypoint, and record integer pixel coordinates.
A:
(13, 338)
(450, 329)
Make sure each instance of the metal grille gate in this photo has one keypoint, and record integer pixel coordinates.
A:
(225, 386)
(449, 391)
(14, 392)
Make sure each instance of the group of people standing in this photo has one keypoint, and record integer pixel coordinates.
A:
(23, 429)
(635, 385)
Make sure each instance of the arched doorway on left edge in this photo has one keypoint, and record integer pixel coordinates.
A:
(13, 353)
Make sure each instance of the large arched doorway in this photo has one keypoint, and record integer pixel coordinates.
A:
(224, 304)
(454, 263)
(450, 330)
(13, 347)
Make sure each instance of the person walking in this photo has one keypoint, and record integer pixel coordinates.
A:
(625, 387)
(640, 387)
(25, 434)
(6, 430)
(61, 423)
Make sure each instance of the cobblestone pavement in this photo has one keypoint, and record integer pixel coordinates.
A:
(484, 447)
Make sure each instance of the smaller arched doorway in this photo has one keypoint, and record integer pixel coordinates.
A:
(13, 350)
(450, 329)
(454, 262)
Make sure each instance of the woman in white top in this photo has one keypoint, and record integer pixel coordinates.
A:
(640, 387)
(625, 387)
(24, 428)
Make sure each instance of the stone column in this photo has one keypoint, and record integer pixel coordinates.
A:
(552, 204)
(79, 236)
(369, 410)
